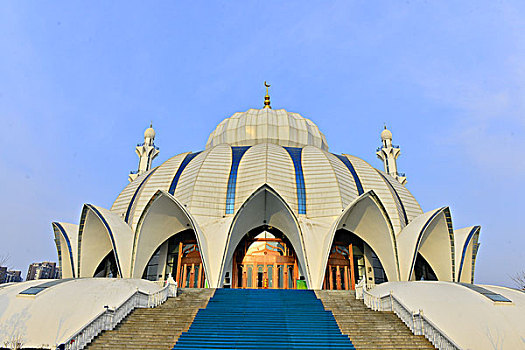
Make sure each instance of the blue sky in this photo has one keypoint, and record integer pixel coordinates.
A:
(79, 83)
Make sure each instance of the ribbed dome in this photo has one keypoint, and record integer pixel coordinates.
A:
(257, 126)
(203, 178)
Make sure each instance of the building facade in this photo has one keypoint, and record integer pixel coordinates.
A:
(264, 205)
(8, 276)
(43, 270)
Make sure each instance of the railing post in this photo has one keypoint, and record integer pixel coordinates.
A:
(421, 322)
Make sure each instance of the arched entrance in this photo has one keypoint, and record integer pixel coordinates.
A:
(179, 256)
(264, 259)
(351, 260)
(423, 271)
(107, 267)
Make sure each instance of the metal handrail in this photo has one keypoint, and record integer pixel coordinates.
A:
(416, 322)
(110, 318)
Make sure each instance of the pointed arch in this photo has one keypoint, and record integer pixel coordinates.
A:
(367, 218)
(66, 240)
(466, 240)
(265, 207)
(102, 231)
(163, 217)
(432, 236)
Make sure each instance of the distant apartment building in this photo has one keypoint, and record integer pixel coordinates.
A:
(7, 276)
(3, 274)
(13, 276)
(42, 270)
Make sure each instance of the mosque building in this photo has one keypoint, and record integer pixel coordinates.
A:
(266, 205)
(208, 249)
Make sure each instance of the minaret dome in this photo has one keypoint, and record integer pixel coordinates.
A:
(150, 132)
(386, 134)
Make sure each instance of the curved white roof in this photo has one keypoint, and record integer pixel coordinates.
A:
(266, 125)
(63, 308)
(469, 318)
(331, 182)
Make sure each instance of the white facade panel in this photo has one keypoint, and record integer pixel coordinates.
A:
(211, 183)
(371, 180)
(281, 175)
(121, 204)
(251, 174)
(159, 180)
(347, 186)
(184, 189)
(323, 196)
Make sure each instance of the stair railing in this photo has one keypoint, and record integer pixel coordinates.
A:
(416, 322)
(110, 318)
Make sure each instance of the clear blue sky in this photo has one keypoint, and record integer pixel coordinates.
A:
(79, 83)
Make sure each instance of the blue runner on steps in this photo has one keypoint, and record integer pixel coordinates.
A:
(264, 319)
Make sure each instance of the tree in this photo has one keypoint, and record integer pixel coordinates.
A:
(519, 280)
(4, 259)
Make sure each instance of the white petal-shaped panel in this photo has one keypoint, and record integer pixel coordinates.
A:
(367, 218)
(163, 217)
(100, 232)
(430, 235)
(265, 207)
(322, 187)
(466, 243)
(66, 238)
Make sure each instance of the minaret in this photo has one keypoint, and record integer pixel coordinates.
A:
(146, 151)
(388, 153)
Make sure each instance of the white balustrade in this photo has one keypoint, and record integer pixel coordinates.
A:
(417, 322)
(110, 318)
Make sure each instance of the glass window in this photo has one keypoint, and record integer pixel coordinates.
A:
(196, 278)
(280, 276)
(270, 276)
(32, 290)
(249, 276)
(151, 269)
(295, 154)
(188, 276)
(291, 283)
(237, 153)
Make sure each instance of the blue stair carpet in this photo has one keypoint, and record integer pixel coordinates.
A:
(264, 319)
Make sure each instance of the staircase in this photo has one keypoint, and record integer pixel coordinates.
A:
(369, 329)
(263, 319)
(157, 328)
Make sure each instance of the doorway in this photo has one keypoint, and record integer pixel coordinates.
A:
(265, 260)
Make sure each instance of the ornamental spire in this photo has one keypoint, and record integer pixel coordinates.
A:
(388, 153)
(267, 97)
(147, 151)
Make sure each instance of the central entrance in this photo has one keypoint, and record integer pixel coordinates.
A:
(265, 260)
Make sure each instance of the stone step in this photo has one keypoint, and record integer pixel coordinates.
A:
(157, 328)
(368, 329)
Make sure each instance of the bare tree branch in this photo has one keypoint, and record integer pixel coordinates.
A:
(4, 259)
(519, 280)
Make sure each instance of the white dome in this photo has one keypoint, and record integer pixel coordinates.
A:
(149, 133)
(267, 125)
(327, 180)
(386, 134)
